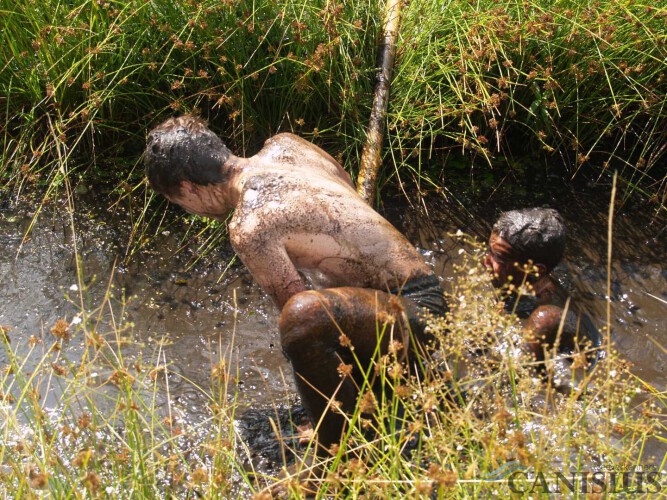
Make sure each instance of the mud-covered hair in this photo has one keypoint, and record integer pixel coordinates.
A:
(536, 234)
(183, 148)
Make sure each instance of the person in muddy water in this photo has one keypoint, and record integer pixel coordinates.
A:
(525, 245)
(296, 209)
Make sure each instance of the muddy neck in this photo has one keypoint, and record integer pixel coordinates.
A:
(236, 171)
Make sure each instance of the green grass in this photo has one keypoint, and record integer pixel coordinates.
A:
(98, 74)
(98, 421)
(581, 83)
(580, 86)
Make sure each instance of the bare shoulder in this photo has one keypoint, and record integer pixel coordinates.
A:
(243, 227)
(296, 152)
(287, 139)
(550, 322)
(270, 204)
(289, 147)
(283, 136)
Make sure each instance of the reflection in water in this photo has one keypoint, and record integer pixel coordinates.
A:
(189, 316)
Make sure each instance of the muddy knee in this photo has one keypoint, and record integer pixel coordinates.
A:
(302, 320)
(317, 320)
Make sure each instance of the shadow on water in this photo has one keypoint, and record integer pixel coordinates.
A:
(188, 315)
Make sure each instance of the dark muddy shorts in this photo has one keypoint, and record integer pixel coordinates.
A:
(425, 292)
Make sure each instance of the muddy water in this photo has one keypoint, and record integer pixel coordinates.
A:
(185, 315)
(188, 314)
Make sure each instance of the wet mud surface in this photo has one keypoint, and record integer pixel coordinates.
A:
(192, 314)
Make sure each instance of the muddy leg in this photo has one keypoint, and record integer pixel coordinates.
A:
(311, 325)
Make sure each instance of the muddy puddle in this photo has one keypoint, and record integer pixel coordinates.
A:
(188, 314)
(185, 314)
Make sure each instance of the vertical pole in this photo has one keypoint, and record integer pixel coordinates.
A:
(371, 156)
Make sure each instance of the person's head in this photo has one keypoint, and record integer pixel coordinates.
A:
(532, 234)
(182, 155)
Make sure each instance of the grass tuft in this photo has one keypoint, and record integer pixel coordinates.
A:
(579, 86)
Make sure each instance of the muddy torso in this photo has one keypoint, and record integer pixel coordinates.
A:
(300, 211)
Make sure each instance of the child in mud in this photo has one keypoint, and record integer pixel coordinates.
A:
(525, 245)
(295, 208)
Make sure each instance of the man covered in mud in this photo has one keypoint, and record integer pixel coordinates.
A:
(525, 245)
(295, 209)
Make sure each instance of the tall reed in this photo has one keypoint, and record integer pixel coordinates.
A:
(578, 85)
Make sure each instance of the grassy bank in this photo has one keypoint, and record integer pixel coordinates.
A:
(578, 86)
(84, 416)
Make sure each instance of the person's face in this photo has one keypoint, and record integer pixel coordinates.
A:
(201, 200)
(499, 261)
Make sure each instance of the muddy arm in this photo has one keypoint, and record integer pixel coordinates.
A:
(541, 329)
(271, 268)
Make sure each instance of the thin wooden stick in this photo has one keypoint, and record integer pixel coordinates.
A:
(371, 157)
